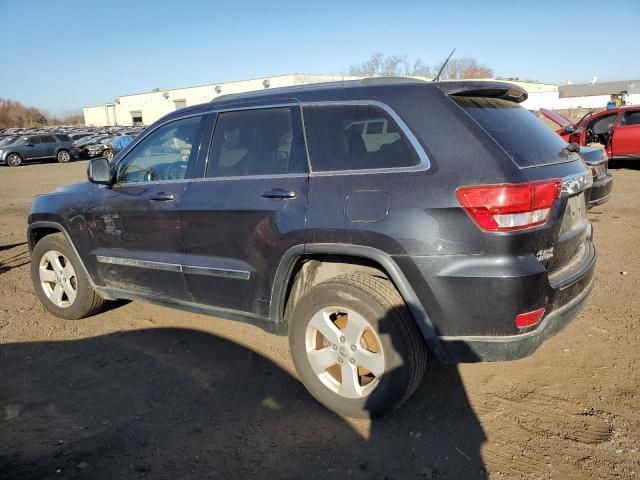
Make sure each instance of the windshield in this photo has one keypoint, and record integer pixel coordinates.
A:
(525, 138)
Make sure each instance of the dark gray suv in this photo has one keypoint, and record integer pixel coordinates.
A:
(36, 147)
(373, 222)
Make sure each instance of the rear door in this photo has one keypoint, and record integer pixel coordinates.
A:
(134, 225)
(247, 210)
(48, 146)
(626, 135)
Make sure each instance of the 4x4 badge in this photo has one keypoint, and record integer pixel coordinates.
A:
(544, 254)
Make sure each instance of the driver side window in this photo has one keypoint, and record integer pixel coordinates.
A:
(163, 155)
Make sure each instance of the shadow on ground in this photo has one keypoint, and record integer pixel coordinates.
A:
(178, 403)
(16, 260)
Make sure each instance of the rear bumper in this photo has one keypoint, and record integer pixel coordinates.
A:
(569, 299)
(601, 191)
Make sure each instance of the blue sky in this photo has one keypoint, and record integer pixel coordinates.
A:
(62, 55)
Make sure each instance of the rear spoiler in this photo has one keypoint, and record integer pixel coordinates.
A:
(489, 89)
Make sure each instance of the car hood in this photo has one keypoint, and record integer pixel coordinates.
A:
(555, 117)
(74, 188)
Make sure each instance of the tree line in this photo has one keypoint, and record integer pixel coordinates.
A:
(14, 114)
(400, 65)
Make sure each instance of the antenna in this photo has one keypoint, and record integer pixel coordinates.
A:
(437, 78)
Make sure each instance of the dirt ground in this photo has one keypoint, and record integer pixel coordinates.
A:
(142, 391)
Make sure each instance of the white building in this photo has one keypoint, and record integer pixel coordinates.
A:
(146, 108)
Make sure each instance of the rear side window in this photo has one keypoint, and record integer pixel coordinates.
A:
(631, 118)
(525, 138)
(47, 139)
(254, 142)
(337, 140)
(63, 138)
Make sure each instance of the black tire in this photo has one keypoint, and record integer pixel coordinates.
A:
(380, 304)
(14, 160)
(63, 156)
(87, 302)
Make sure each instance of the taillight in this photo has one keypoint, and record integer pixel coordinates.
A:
(529, 319)
(508, 207)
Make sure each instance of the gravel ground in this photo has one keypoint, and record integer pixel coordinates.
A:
(142, 391)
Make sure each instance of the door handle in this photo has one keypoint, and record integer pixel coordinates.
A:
(163, 197)
(279, 193)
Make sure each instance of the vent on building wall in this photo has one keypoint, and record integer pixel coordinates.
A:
(166, 95)
(266, 83)
(218, 88)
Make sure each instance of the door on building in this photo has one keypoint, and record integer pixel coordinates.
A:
(136, 118)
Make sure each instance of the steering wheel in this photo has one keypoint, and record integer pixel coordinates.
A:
(176, 171)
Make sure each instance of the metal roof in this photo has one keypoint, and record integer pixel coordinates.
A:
(599, 88)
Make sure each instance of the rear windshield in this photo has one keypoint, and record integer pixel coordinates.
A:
(525, 138)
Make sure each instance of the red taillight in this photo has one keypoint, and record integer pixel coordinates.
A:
(508, 207)
(529, 319)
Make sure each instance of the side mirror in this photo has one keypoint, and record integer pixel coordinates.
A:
(29, 144)
(98, 171)
(569, 129)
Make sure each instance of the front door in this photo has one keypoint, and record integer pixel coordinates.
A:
(247, 210)
(626, 136)
(134, 225)
(33, 148)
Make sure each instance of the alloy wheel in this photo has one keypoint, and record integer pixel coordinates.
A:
(344, 352)
(58, 279)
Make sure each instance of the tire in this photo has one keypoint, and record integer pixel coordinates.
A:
(14, 160)
(77, 299)
(391, 346)
(63, 156)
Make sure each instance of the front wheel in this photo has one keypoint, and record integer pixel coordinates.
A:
(14, 160)
(59, 280)
(355, 345)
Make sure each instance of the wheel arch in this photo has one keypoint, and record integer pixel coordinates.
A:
(289, 281)
(40, 229)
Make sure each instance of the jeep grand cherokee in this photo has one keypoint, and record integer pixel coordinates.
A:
(462, 234)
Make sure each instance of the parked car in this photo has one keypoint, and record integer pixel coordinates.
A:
(602, 188)
(35, 147)
(79, 148)
(618, 129)
(101, 148)
(465, 239)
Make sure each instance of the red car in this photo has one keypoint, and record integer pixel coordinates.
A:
(618, 129)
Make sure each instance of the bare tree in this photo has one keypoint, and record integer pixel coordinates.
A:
(15, 114)
(392, 66)
(464, 68)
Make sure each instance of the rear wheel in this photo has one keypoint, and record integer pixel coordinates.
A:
(355, 346)
(14, 160)
(59, 280)
(63, 156)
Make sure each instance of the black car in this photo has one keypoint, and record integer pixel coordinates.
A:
(375, 222)
(36, 147)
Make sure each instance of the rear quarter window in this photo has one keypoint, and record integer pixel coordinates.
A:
(337, 140)
(525, 138)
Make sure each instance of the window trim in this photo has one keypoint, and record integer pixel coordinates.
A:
(423, 165)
